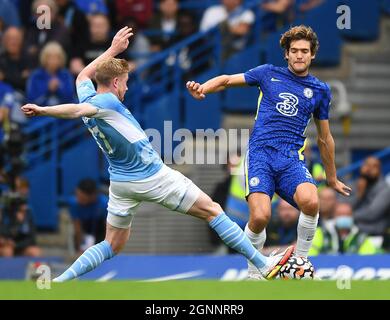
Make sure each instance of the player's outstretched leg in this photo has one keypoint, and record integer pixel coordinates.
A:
(116, 239)
(233, 236)
(259, 215)
(306, 197)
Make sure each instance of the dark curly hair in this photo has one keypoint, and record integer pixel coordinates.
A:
(300, 33)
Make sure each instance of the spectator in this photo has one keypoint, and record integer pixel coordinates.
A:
(51, 84)
(19, 235)
(10, 103)
(307, 5)
(313, 164)
(139, 48)
(6, 104)
(235, 23)
(76, 23)
(282, 230)
(235, 203)
(92, 7)
(88, 209)
(14, 64)
(37, 38)
(191, 60)
(164, 25)
(371, 199)
(342, 237)
(9, 14)
(328, 202)
(100, 40)
(276, 14)
(139, 10)
(227, 193)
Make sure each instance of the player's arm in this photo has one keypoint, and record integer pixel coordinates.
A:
(199, 91)
(65, 111)
(118, 45)
(327, 151)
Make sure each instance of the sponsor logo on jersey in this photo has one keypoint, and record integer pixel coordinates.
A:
(289, 105)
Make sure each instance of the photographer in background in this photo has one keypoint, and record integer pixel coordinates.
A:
(371, 201)
(17, 228)
(88, 210)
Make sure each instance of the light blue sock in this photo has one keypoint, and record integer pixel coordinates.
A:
(235, 238)
(88, 261)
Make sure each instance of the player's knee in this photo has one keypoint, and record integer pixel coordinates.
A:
(260, 217)
(309, 205)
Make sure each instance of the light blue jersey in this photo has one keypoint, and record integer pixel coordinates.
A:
(127, 148)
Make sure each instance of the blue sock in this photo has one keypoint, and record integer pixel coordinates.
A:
(235, 238)
(88, 261)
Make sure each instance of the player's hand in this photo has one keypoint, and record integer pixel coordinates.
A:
(341, 188)
(195, 89)
(121, 40)
(32, 110)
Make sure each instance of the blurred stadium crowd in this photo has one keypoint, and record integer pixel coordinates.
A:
(40, 65)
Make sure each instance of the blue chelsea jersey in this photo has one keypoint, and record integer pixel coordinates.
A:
(285, 106)
(130, 155)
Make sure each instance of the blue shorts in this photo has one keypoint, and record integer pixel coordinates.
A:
(268, 170)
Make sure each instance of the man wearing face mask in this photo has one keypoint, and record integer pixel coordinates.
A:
(342, 237)
(371, 203)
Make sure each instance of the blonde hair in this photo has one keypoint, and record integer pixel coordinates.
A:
(300, 33)
(110, 69)
(52, 48)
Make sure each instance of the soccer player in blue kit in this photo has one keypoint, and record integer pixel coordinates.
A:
(137, 172)
(289, 96)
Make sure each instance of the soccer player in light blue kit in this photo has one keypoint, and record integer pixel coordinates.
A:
(289, 96)
(137, 172)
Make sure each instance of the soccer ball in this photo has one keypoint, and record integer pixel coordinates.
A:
(297, 268)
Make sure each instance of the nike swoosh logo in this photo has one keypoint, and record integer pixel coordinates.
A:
(273, 79)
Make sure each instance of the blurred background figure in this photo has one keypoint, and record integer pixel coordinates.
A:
(88, 209)
(52, 83)
(371, 200)
(282, 228)
(75, 22)
(328, 202)
(14, 64)
(18, 232)
(230, 194)
(139, 49)
(9, 14)
(314, 164)
(164, 25)
(343, 236)
(139, 10)
(37, 38)
(99, 37)
(236, 206)
(235, 24)
(91, 7)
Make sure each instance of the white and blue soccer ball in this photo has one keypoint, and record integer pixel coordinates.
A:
(297, 268)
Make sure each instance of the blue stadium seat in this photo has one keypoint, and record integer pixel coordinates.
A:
(323, 21)
(79, 162)
(365, 17)
(273, 53)
(165, 108)
(203, 114)
(43, 194)
(386, 6)
(241, 99)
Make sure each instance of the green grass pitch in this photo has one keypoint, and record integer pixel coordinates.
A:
(195, 290)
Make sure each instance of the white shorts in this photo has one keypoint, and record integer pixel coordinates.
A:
(167, 187)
